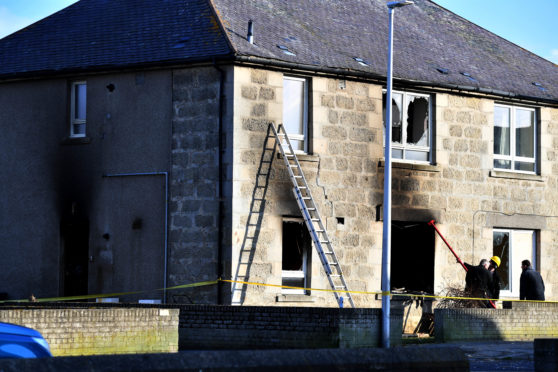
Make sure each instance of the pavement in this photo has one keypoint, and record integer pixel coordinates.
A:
(497, 355)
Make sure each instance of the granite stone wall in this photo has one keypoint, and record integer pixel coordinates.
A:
(344, 167)
(195, 213)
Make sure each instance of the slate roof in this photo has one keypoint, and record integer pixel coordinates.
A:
(94, 34)
(324, 35)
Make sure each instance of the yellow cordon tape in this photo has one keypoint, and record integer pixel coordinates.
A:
(86, 297)
(381, 293)
(213, 282)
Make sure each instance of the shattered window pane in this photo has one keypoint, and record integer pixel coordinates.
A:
(417, 121)
(396, 116)
(410, 126)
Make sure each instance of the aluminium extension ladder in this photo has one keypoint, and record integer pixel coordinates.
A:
(311, 217)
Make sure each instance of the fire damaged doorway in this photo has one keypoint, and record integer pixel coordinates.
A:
(412, 256)
(75, 250)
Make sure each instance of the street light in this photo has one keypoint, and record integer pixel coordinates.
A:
(386, 237)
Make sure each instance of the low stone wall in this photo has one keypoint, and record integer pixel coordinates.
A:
(407, 358)
(90, 329)
(258, 327)
(517, 321)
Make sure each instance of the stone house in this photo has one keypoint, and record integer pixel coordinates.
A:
(136, 156)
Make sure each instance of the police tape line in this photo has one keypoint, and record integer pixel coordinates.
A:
(383, 293)
(105, 295)
(213, 282)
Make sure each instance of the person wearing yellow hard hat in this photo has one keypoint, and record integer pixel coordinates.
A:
(495, 285)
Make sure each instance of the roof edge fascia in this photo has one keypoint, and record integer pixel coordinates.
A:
(109, 69)
(356, 74)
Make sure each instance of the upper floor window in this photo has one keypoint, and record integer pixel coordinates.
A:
(411, 126)
(78, 108)
(295, 111)
(514, 138)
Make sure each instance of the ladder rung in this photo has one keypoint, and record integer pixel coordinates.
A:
(307, 205)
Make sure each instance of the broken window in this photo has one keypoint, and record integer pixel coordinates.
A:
(411, 126)
(512, 246)
(296, 256)
(412, 256)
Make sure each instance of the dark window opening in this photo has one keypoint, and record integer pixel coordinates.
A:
(412, 256)
(417, 121)
(296, 257)
(75, 251)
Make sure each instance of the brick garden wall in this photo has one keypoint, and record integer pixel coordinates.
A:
(257, 327)
(100, 330)
(519, 322)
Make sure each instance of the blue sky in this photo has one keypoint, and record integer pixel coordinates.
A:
(532, 27)
(16, 14)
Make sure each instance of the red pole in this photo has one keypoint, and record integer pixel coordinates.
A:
(431, 223)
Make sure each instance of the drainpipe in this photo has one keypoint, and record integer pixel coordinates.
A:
(166, 174)
(221, 182)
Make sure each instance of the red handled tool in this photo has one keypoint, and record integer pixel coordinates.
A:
(431, 223)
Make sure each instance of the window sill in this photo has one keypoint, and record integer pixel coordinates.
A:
(75, 140)
(515, 175)
(294, 298)
(413, 166)
(303, 157)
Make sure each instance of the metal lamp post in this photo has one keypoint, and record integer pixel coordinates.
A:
(386, 237)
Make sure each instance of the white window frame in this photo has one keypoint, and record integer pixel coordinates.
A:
(297, 274)
(297, 136)
(73, 120)
(512, 157)
(403, 146)
(515, 258)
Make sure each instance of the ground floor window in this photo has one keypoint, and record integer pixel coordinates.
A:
(412, 256)
(513, 246)
(296, 256)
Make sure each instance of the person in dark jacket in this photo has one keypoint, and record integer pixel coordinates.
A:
(495, 287)
(478, 281)
(531, 284)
